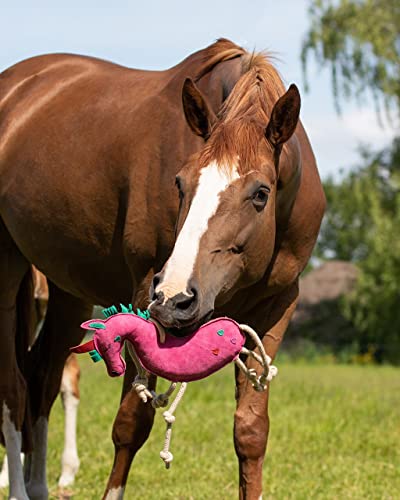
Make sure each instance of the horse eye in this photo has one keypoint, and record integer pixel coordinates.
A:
(260, 197)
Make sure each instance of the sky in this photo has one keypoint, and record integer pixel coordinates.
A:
(158, 34)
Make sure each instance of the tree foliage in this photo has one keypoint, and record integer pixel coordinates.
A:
(374, 306)
(362, 225)
(359, 41)
(348, 225)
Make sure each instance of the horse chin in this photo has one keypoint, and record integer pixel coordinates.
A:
(185, 330)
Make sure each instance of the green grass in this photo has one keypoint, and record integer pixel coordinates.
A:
(335, 434)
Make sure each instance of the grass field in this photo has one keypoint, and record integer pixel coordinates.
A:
(335, 434)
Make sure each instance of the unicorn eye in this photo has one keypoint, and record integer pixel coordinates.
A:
(117, 338)
(260, 198)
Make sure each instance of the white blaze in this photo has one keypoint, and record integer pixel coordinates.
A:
(213, 181)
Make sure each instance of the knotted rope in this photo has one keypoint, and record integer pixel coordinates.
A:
(140, 384)
(269, 371)
(169, 418)
(161, 400)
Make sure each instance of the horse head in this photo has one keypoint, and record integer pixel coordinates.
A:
(226, 227)
(229, 198)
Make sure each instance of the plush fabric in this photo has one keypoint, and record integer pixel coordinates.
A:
(185, 359)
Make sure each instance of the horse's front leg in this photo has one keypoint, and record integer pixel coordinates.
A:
(251, 417)
(131, 429)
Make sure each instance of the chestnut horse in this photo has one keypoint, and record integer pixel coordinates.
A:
(89, 154)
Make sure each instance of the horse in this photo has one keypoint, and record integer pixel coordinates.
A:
(69, 389)
(69, 393)
(89, 155)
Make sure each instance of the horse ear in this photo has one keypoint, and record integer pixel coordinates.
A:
(93, 324)
(284, 117)
(199, 116)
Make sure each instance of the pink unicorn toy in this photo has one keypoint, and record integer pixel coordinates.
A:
(177, 359)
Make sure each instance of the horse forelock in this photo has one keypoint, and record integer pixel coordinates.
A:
(244, 116)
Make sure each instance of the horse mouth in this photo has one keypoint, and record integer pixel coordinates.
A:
(185, 330)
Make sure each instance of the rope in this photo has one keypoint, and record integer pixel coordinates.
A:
(161, 400)
(140, 384)
(169, 418)
(269, 371)
(160, 329)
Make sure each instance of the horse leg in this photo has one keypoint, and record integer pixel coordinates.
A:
(70, 398)
(16, 315)
(4, 472)
(251, 425)
(47, 359)
(131, 429)
(250, 435)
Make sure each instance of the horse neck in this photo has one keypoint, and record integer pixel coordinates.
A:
(216, 83)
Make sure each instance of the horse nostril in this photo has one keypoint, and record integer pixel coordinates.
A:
(155, 283)
(187, 300)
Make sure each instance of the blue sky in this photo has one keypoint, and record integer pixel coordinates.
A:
(158, 34)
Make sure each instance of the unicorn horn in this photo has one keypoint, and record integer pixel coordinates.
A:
(80, 349)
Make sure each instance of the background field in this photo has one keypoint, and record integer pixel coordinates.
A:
(335, 433)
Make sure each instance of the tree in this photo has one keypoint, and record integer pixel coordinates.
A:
(359, 41)
(374, 306)
(349, 223)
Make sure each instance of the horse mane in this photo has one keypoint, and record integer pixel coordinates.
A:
(220, 51)
(246, 112)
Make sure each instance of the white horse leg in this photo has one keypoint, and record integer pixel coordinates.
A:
(115, 493)
(4, 474)
(37, 485)
(4, 471)
(69, 395)
(13, 440)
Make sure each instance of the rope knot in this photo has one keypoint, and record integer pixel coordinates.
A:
(159, 401)
(168, 417)
(167, 456)
(140, 385)
(259, 383)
